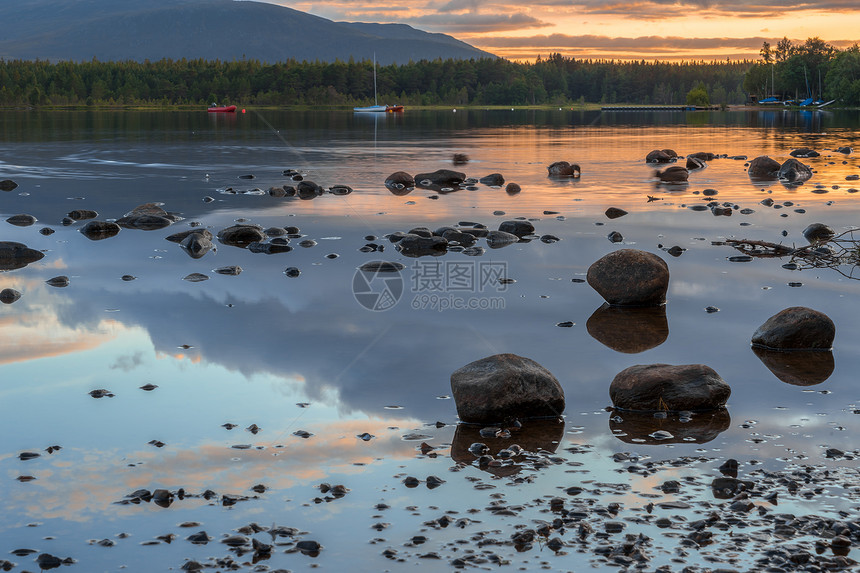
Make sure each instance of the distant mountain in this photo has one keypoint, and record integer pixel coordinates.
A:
(111, 30)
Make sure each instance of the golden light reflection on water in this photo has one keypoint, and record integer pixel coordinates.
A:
(83, 489)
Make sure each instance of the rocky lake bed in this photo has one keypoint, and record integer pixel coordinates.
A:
(472, 340)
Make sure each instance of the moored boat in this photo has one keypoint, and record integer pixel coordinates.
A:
(372, 108)
(221, 108)
(378, 108)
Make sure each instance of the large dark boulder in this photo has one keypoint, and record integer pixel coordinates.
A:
(564, 169)
(793, 171)
(796, 328)
(17, 255)
(440, 178)
(8, 185)
(653, 387)
(241, 235)
(98, 230)
(629, 329)
(763, 167)
(630, 277)
(797, 368)
(505, 386)
(614, 213)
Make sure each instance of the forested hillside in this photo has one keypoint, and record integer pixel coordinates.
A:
(554, 80)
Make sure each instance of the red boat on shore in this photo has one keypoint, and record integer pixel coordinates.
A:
(221, 109)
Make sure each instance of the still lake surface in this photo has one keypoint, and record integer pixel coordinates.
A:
(301, 354)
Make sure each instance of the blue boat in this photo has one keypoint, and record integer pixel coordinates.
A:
(806, 102)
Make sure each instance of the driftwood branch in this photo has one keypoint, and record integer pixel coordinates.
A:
(840, 253)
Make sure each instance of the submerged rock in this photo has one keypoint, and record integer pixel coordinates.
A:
(98, 230)
(818, 233)
(17, 255)
(197, 244)
(564, 169)
(400, 183)
(22, 220)
(381, 267)
(796, 328)
(661, 156)
(512, 188)
(440, 178)
(695, 163)
(804, 152)
(492, 180)
(793, 170)
(307, 189)
(674, 174)
(147, 217)
(518, 228)
(59, 281)
(178, 237)
(703, 156)
(499, 239)
(412, 245)
(630, 277)
(505, 386)
(241, 235)
(9, 295)
(82, 214)
(655, 387)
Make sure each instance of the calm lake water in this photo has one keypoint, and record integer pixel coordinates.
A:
(302, 354)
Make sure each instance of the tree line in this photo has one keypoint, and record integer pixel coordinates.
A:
(813, 69)
(555, 80)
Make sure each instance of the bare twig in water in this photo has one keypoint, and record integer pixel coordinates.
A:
(840, 253)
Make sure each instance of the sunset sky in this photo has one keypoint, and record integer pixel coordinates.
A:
(650, 29)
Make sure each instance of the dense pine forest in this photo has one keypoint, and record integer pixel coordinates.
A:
(813, 68)
(555, 80)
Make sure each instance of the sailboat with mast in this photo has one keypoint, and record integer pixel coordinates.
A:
(376, 108)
